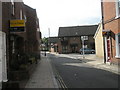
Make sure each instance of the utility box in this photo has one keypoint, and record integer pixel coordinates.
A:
(3, 65)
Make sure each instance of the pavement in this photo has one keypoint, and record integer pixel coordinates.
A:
(42, 76)
(94, 61)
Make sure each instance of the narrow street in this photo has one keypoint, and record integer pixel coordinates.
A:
(77, 74)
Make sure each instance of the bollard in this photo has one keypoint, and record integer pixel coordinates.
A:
(45, 53)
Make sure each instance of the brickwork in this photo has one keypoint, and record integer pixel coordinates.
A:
(111, 23)
(74, 44)
(19, 43)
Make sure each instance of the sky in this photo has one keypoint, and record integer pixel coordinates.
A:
(53, 14)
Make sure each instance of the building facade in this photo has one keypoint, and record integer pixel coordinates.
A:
(111, 30)
(23, 37)
(33, 33)
(99, 47)
(70, 38)
(53, 44)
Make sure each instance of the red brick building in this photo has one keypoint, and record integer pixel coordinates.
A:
(111, 30)
(70, 38)
(21, 25)
(53, 44)
(33, 33)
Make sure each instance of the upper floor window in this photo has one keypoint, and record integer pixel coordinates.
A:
(21, 14)
(13, 8)
(25, 18)
(117, 8)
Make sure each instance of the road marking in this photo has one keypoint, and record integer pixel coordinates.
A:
(58, 77)
(60, 80)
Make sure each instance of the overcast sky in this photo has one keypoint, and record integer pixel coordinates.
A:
(59, 13)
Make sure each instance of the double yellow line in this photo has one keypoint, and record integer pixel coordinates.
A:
(58, 77)
(61, 82)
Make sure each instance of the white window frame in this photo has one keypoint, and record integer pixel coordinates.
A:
(117, 46)
(21, 14)
(13, 7)
(117, 8)
(25, 18)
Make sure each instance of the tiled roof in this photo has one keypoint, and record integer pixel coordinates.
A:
(53, 39)
(77, 30)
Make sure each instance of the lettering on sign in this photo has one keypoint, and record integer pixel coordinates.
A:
(17, 23)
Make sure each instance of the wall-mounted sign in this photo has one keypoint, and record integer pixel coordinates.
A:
(106, 32)
(17, 23)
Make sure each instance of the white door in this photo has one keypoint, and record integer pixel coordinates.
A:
(3, 67)
(108, 50)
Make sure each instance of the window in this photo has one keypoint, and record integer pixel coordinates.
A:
(25, 18)
(21, 14)
(64, 49)
(13, 8)
(118, 45)
(118, 8)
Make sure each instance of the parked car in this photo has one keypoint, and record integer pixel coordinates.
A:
(87, 51)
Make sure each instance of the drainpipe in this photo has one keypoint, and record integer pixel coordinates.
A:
(103, 29)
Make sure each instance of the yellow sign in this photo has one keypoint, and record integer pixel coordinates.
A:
(17, 23)
(103, 33)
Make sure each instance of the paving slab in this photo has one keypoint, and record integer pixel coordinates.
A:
(43, 76)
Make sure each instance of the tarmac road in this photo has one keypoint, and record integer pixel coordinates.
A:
(76, 74)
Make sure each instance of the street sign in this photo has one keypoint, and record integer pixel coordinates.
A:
(84, 37)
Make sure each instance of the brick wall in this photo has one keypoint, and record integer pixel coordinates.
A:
(32, 25)
(76, 40)
(111, 23)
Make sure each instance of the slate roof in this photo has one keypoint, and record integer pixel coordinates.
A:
(77, 30)
(53, 39)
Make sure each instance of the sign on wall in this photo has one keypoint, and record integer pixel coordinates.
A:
(84, 37)
(17, 25)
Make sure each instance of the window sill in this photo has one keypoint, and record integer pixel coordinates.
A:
(117, 56)
(117, 17)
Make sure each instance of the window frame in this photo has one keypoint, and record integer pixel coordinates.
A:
(117, 8)
(13, 7)
(117, 37)
(21, 14)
